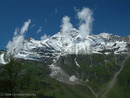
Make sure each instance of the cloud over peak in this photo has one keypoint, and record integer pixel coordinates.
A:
(85, 24)
(86, 19)
(18, 38)
(25, 27)
(44, 37)
(66, 25)
(16, 31)
(84, 14)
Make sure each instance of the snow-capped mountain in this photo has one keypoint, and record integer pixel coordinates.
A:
(51, 49)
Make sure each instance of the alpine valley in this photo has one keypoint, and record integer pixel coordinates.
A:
(71, 65)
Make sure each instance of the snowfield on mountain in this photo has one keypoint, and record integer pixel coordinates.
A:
(73, 42)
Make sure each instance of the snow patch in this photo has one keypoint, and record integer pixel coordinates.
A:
(2, 61)
(76, 62)
(73, 78)
(105, 35)
(87, 80)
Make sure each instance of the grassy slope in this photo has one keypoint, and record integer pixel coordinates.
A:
(104, 67)
(122, 86)
(99, 76)
(46, 87)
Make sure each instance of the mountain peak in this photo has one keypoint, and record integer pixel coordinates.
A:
(70, 43)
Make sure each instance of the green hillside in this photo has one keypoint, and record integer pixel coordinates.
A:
(45, 87)
(98, 69)
(122, 86)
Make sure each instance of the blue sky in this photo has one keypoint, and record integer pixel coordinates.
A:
(112, 16)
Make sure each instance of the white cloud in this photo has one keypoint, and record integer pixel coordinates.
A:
(76, 10)
(16, 31)
(44, 37)
(33, 25)
(14, 45)
(66, 25)
(86, 19)
(56, 11)
(25, 27)
(45, 20)
(39, 30)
